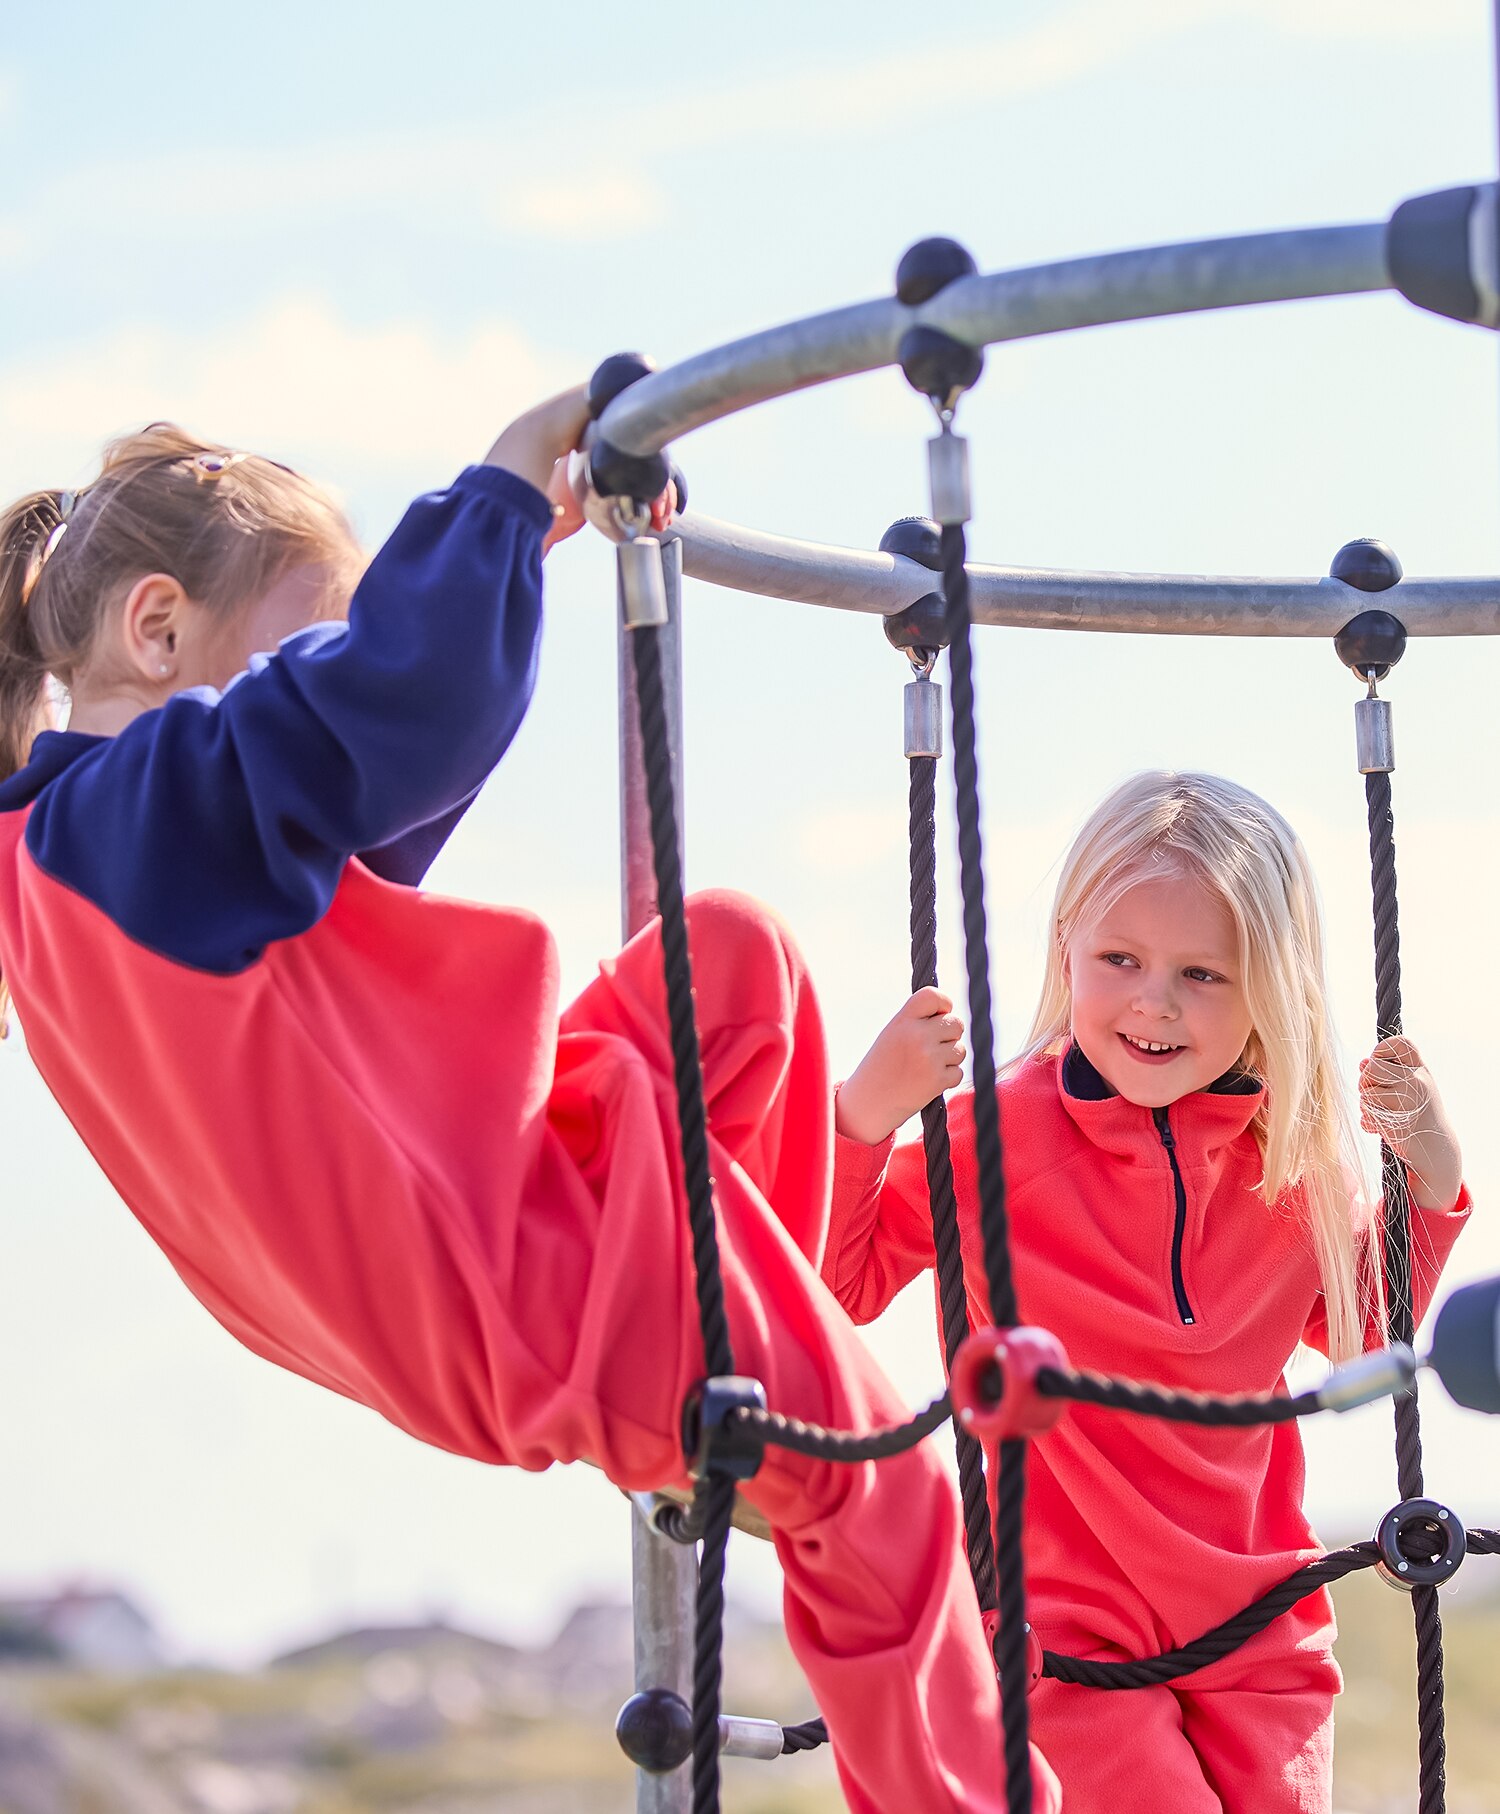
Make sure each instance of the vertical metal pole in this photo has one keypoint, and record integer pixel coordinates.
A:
(664, 1574)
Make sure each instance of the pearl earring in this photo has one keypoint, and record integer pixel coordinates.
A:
(164, 669)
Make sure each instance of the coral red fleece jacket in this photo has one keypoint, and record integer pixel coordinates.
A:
(1141, 1242)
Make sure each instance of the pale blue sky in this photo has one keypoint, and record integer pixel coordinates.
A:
(358, 237)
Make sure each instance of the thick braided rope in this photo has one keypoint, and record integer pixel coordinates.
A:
(1174, 1407)
(714, 1493)
(1431, 1744)
(952, 1296)
(1010, 1483)
(783, 1432)
(677, 964)
(717, 1490)
(1148, 1672)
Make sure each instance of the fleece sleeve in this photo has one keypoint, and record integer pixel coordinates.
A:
(1433, 1232)
(880, 1225)
(221, 822)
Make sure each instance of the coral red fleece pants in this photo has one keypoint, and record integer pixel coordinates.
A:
(879, 1608)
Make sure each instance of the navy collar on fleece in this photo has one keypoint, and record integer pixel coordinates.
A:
(1085, 1084)
(51, 753)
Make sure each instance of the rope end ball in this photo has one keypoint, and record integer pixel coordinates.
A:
(994, 1383)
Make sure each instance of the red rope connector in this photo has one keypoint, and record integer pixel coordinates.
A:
(994, 1382)
(1035, 1661)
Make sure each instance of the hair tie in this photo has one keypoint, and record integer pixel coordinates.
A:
(65, 502)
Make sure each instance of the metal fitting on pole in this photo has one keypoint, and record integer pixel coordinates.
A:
(1383, 1374)
(948, 469)
(922, 703)
(643, 586)
(1374, 735)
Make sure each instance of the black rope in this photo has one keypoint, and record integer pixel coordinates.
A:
(687, 1064)
(941, 1197)
(713, 1499)
(806, 1737)
(1176, 1407)
(784, 1432)
(717, 1492)
(1148, 1672)
(1396, 1230)
(1010, 1481)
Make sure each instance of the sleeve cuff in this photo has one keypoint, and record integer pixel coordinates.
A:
(507, 488)
(1459, 1209)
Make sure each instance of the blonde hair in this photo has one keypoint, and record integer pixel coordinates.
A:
(1223, 836)
(226, 525)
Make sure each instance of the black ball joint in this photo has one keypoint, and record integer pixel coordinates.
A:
(923, 625)
(1373, 642)
(655, 1730)
(1367, 565)
(934, 362)
(614, 473)
(929, 266)
(918, 539)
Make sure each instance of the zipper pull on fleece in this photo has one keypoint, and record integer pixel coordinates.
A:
(1164, 1128)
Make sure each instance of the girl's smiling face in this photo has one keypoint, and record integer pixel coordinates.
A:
(1157, 992)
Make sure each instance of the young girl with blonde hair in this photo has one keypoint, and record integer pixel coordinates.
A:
(352, 1113)
(1180, 1172)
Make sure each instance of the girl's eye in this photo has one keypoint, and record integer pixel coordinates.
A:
(1198, 974)
(1117, 958)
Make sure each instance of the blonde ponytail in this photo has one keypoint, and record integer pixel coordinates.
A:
(26, 530)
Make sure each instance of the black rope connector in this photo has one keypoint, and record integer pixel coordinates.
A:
(929, 266)
(655, 1730)
(1371, 644)
(612, 472)
(915, 538)
(716, 1437)
(994, 1382)
(937, 365)
(1374, 641)
(922, 628)
(616, 374)
(1366, 564)
(1421, 1544)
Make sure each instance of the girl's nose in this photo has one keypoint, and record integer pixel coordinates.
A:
(1156, 1000)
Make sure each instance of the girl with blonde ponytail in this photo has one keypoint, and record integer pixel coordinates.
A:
(1184, 1204)
(353, 1114)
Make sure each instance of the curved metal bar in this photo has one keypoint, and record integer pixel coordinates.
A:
(848, 579)
(1007, 305)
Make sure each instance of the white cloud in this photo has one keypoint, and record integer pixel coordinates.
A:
(295, 378)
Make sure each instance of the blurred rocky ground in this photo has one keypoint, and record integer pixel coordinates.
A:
(432, 1719)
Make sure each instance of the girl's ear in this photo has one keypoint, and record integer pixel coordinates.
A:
(152, 619)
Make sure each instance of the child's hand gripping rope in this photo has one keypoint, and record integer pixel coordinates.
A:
(1399, 1101)
(916, 1056)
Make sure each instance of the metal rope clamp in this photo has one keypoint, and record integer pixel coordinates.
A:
(1421, 1544)
(994, 1382)
(716, 1437)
